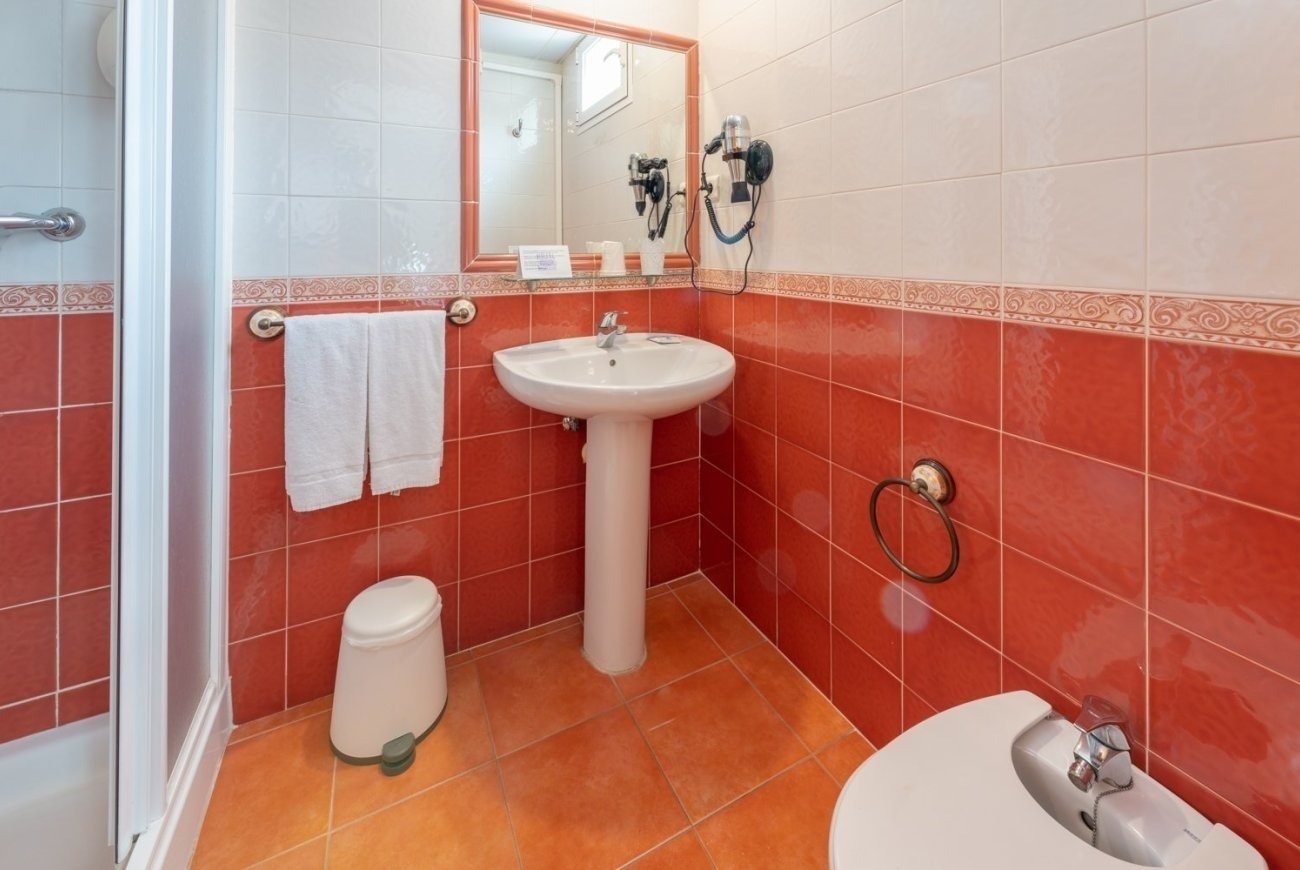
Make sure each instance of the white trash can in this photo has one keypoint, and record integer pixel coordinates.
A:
(391, 686)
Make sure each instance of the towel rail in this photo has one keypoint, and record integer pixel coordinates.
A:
(269, 323)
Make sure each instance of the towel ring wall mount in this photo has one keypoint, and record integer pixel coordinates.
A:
(932, 482)
(268, 323)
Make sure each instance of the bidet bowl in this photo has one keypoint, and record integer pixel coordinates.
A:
(635, 376)
(983, 786)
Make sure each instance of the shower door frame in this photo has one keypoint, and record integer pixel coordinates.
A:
(157, 811)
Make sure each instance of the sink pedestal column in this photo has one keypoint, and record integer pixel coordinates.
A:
(617, 533)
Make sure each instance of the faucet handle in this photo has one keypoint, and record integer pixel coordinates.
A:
(610, 318)
(1097, 712)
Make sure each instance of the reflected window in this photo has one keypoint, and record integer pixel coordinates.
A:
(602, 77)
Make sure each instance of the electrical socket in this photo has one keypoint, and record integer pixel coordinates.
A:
(713, 183)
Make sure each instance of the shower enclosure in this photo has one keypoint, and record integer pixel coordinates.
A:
(112, 691)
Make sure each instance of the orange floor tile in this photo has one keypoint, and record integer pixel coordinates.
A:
(716, 753)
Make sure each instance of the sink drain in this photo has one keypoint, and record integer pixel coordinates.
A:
(1088, 821)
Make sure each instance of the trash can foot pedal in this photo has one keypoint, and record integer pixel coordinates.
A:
(398, 755)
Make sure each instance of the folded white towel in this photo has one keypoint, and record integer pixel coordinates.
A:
(407, 375)
(324, 409)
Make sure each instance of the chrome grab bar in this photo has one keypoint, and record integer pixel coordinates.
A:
(60, 224)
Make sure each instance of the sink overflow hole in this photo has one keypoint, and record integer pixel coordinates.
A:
(1088, 821)
(613, 363)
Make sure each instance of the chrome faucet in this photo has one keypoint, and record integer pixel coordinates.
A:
(1102, 751)
(609, 329)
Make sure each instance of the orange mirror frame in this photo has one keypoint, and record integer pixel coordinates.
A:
(471, 259)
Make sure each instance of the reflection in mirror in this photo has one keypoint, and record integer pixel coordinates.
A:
(559, 114)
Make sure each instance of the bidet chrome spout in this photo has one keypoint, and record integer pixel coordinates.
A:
(1102, 751)
(609, 329)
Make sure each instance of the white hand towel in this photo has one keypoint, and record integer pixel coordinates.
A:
(324, 409)
(407, 375)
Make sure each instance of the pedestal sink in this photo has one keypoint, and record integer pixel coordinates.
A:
(618, 390)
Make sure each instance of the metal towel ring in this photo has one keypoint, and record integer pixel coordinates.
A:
(932, 482)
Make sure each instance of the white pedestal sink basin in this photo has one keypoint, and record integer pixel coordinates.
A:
(618, 391)
(984, 786)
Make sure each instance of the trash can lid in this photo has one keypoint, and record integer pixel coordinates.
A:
(390, 610)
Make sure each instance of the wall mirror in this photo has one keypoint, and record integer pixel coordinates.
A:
(559, 113)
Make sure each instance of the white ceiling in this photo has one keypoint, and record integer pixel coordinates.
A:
(525, 39)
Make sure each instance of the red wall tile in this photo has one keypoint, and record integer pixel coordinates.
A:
(256, 429)
(82, 702)
(755, 326)
(325, 575)
(803, 487)
(426, 548)
(868, 609)
(869, 696)
(1226, 420)
(556, 586)
(972, 597)
(803, 407)
(1227, 571)
(29, 551)
(256, 594)
(29, 442)
(970, 453)
(494, 468)
(558, 518)
(28, 635)
(867, 348)
(943, 664)
(85, 543)
(312, 659)
(674, 549)
(804, 635)
(26, 718)
(87, 376)
(257, 676)
(83, 637)
(1075, 513)
(803, 562)
(1227, 721)
(493, 605)
(29, 362)
(803, 336)
(85, 451)
(865, 433)
(950, 365)
(1081, 390)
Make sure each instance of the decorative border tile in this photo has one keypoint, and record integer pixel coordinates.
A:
(809, 286)
(1095, 309)
(981, 300)
(418, 286)
(1248, 323)
(1266, 324)
(29, 298)
(99, 296)
(344, 288)
(254, 291)
(878, 291)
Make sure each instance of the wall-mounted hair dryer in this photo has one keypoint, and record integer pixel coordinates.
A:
(750, 162)
(647, 176)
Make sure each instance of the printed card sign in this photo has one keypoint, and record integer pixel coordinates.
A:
(544, 261)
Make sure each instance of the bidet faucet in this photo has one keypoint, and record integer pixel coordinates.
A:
(609, 329)
(1102, 751)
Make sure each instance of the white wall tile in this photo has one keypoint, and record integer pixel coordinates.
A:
(1076, 225)
(1030, 25)
(263, 14)
(425, 26)
(953, 129)
(800, 177)
(261, 70)
(1082, 101)
(333, 158)
(28, 258)
(747, 42)
(81, 75)
(333, 79)
(90, 256)
(261, 236)
(420, 237)
(796, 88)
(866, 145)
(349, 20)
(420, 90)
(89, 142)
(1159, 7)
(845, 12)
(419, 163)
(866, 232)
(331, 236)
(951, 230)
(31, 46)
(947, 39)
(799, 22)
(713, 13)
(30, 146)
(1224, 220)
(261, 153)
(798, 239)
(866, 59)
(1225, 72)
